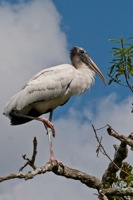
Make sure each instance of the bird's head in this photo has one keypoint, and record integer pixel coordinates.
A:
(79, 57)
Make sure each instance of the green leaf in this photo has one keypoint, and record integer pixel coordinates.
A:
(121, 69)
(114, 40)
(110, 81)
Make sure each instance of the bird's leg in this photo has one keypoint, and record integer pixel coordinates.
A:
(49, 132)
(47, 123)
(49, 127)
(50, 144)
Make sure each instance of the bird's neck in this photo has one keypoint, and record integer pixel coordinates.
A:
(77, 63)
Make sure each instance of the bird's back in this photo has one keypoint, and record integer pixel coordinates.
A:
(44, 92)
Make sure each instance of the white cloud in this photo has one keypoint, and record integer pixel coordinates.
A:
(31, 39)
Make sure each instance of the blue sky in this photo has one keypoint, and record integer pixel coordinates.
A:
(38, 34)
(90, 24)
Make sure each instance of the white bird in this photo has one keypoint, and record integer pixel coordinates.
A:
(50, 88)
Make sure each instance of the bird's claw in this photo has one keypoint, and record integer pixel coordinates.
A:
(52, 159)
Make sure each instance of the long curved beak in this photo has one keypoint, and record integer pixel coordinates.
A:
(93, 66)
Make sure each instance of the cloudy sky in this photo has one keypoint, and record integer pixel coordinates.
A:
(40, 33)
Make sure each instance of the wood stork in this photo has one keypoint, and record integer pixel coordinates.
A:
(50, 88)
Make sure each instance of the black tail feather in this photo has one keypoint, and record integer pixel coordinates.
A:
(18, 120)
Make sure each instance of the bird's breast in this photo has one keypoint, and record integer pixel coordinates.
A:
(82, 80)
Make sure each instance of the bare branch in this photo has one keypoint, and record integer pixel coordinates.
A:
(34, 150)
(61, 170)
(32, 160)
(55, 167)
(118, 191)
(102, 196)
(67, 172)
(128, 140)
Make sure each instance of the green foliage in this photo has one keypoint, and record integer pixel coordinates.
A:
(123, 180)
(126, 178)
(121, 72)
(121, 69)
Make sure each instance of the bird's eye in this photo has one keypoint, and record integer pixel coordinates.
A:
(82, 51)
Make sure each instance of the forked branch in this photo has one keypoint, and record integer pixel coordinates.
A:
(31, 161)
(55, 167)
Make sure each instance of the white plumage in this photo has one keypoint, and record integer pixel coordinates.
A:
(52, 87)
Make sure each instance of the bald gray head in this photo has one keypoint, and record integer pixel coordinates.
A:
(79, 57)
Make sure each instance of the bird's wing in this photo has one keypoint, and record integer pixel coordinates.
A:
(44, 86)
(50, 72)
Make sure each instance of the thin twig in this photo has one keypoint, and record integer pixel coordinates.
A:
(104, 151)
(32, 160)
(115, 165)
(126, 77)
(101, 127)
(34, 150)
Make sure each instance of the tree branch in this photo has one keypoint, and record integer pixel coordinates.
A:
(118, 191)
(61, 170)
(101, 148)
(115, 164)
(67, 172)
(32, 160)
(128, 140)
(55, 167)
(120, 154)
(102, 196)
